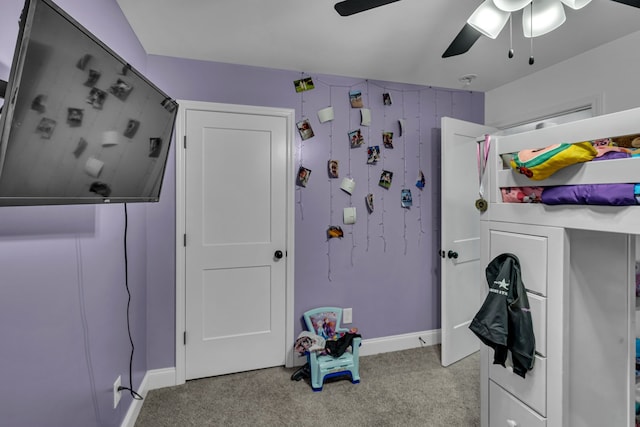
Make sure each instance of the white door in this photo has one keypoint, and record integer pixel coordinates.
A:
(461, 273)
(236, 234)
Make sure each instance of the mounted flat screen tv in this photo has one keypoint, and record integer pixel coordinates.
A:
(78, 124)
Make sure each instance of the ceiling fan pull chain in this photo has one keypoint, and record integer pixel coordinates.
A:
(510, 37)
(531, 60)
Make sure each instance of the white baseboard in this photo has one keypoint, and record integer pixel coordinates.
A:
(399, 342)
(160, 378)
(157, 378)
(391, 343)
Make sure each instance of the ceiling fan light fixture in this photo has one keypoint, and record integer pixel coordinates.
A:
(547, 16)
(511, 5)
(576, 4)
(488, 19)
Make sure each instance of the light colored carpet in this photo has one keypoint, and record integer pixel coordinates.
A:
(404, 388)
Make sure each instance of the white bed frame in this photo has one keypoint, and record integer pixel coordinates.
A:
(578, 264)
(602, 218)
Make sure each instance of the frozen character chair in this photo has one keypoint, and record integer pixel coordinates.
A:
(336, 360)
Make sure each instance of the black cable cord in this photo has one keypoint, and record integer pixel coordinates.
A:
(134, 393)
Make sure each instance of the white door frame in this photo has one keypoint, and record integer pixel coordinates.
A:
(181, 128)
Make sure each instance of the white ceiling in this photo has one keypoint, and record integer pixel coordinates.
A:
(401, 41)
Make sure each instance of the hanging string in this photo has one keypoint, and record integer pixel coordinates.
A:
(384, 241)
(368, 192)
(531, 60)
(404, 177)
(420, 142)
(368, 168)
(510, 54)
(330, 194)
(298, 188)
(353, 237)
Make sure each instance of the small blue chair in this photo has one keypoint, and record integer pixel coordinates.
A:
(325, 322)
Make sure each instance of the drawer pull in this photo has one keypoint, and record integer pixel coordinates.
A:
(512, 423)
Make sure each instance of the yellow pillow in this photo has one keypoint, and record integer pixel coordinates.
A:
(541, 163)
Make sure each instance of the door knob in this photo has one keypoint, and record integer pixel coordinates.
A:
(452, 254)
(277, 254)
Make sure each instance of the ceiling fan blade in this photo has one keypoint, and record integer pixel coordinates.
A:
(634, 3)
(463, 41)
(351, 7)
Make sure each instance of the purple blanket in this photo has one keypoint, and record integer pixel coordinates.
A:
(592, 194)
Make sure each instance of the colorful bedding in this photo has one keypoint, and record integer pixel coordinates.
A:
(623, 194)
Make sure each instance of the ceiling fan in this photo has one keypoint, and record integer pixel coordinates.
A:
(351, 7)
(491, 16)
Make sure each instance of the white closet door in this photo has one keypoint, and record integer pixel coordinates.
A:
(461, 275)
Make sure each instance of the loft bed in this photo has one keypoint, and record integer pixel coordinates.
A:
(622, 219)
(578, 266)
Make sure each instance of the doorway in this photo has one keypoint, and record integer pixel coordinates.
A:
(234, 239)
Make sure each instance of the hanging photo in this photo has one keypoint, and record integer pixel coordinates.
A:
(405, 198)
(333, 168)
(387, 139)
(132, 128)
(93, 78)
(74, 117)
(348, 185)
(304, 127)
(45, 128)
(369, 200)
(155, 145)
(373, 154)
(121, 89)
(355, 138)
(334, 231)
(355, 97)
(325, 115)
(401, 125)
(169, 104)
(110, 138)
(421, 181)
(93, 167)
(82, 144)
(38, 104)
(365, 117)
(100, 188)
(82, 62)
(385, 179)
(303, 84)
(386, 98)
(303, 176)
(349, 215)
(96, 98)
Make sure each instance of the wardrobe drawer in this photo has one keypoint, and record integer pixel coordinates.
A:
(538, 306)
(531, 252)
(531, 390)
(507, 411)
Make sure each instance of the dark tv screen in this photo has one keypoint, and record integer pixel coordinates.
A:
(78, 124)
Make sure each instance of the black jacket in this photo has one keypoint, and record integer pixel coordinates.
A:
(504, 320)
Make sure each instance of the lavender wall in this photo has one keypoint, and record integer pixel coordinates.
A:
(62, 292)
(62, 295)
(386, 267)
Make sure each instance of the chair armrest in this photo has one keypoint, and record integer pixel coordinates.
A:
(355, 346)
(312, 358)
